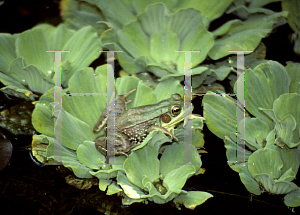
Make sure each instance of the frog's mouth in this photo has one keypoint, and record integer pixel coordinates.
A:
(170, 126)
(173, 122)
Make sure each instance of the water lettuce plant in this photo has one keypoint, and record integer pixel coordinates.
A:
(293, 7)
(244, 8)
(78, 14)
(271, 137)
(79, 115)
(160, 180)
(26, 69)
(150, 32)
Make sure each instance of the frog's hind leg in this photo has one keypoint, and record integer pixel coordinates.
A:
(100, 144)
(133, 146)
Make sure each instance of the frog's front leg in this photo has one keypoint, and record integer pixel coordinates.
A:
(165, 131)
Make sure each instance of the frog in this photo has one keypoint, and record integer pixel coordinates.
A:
(133, 125)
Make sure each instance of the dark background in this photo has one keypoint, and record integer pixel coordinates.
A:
(27, 188)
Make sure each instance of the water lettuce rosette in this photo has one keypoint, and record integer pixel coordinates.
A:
(27, 69)
(271, 137)
(79, 115)
(161, 180)
(150, 32)
(293, 7)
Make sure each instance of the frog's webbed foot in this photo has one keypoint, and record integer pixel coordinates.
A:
(165, 131)
(128, 93)
(122, 98)
(191, 117)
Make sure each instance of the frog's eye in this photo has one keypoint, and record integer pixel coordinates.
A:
(176, 110)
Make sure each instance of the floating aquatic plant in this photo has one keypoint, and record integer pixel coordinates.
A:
(148, 178)
(79, 116)
(293, 7)
(25, 66)
(150, 32)
(271, 137)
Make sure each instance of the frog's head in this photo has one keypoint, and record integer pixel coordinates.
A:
(175, 114)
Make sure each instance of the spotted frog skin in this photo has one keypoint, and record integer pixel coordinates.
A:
(133, 125)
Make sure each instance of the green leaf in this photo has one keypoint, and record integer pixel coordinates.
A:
(137, 46)
(176, 178)
(69, 159)
(103, 183)
(89, 47)
(71, 139)
(32, 46)
(274, 186)
(80, 14)
(243, 11)
(265, 83)
(209, 9)
(225, 27)
(142, 163)
(292, 199)
(89, 156)
(232, 149)
(248, 180)
(293, 70)
(174, 157)
(265, 161)
(286, 110)
(113, 189)
(29, 76)
(42, 114)
(220, 114)
(289, 156)
(169, 87)
(16, 91)
(125, 84)
(197, 126)
(94, 84)
(8, 53)
(192, 199)
(260, 3)
(142, 93)
(131, 190)
(255, 132)
(293, 7)
(246, 35)
(197, 39)
(116, 12)
(163, 47)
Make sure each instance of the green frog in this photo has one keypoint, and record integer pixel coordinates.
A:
(133, 125)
